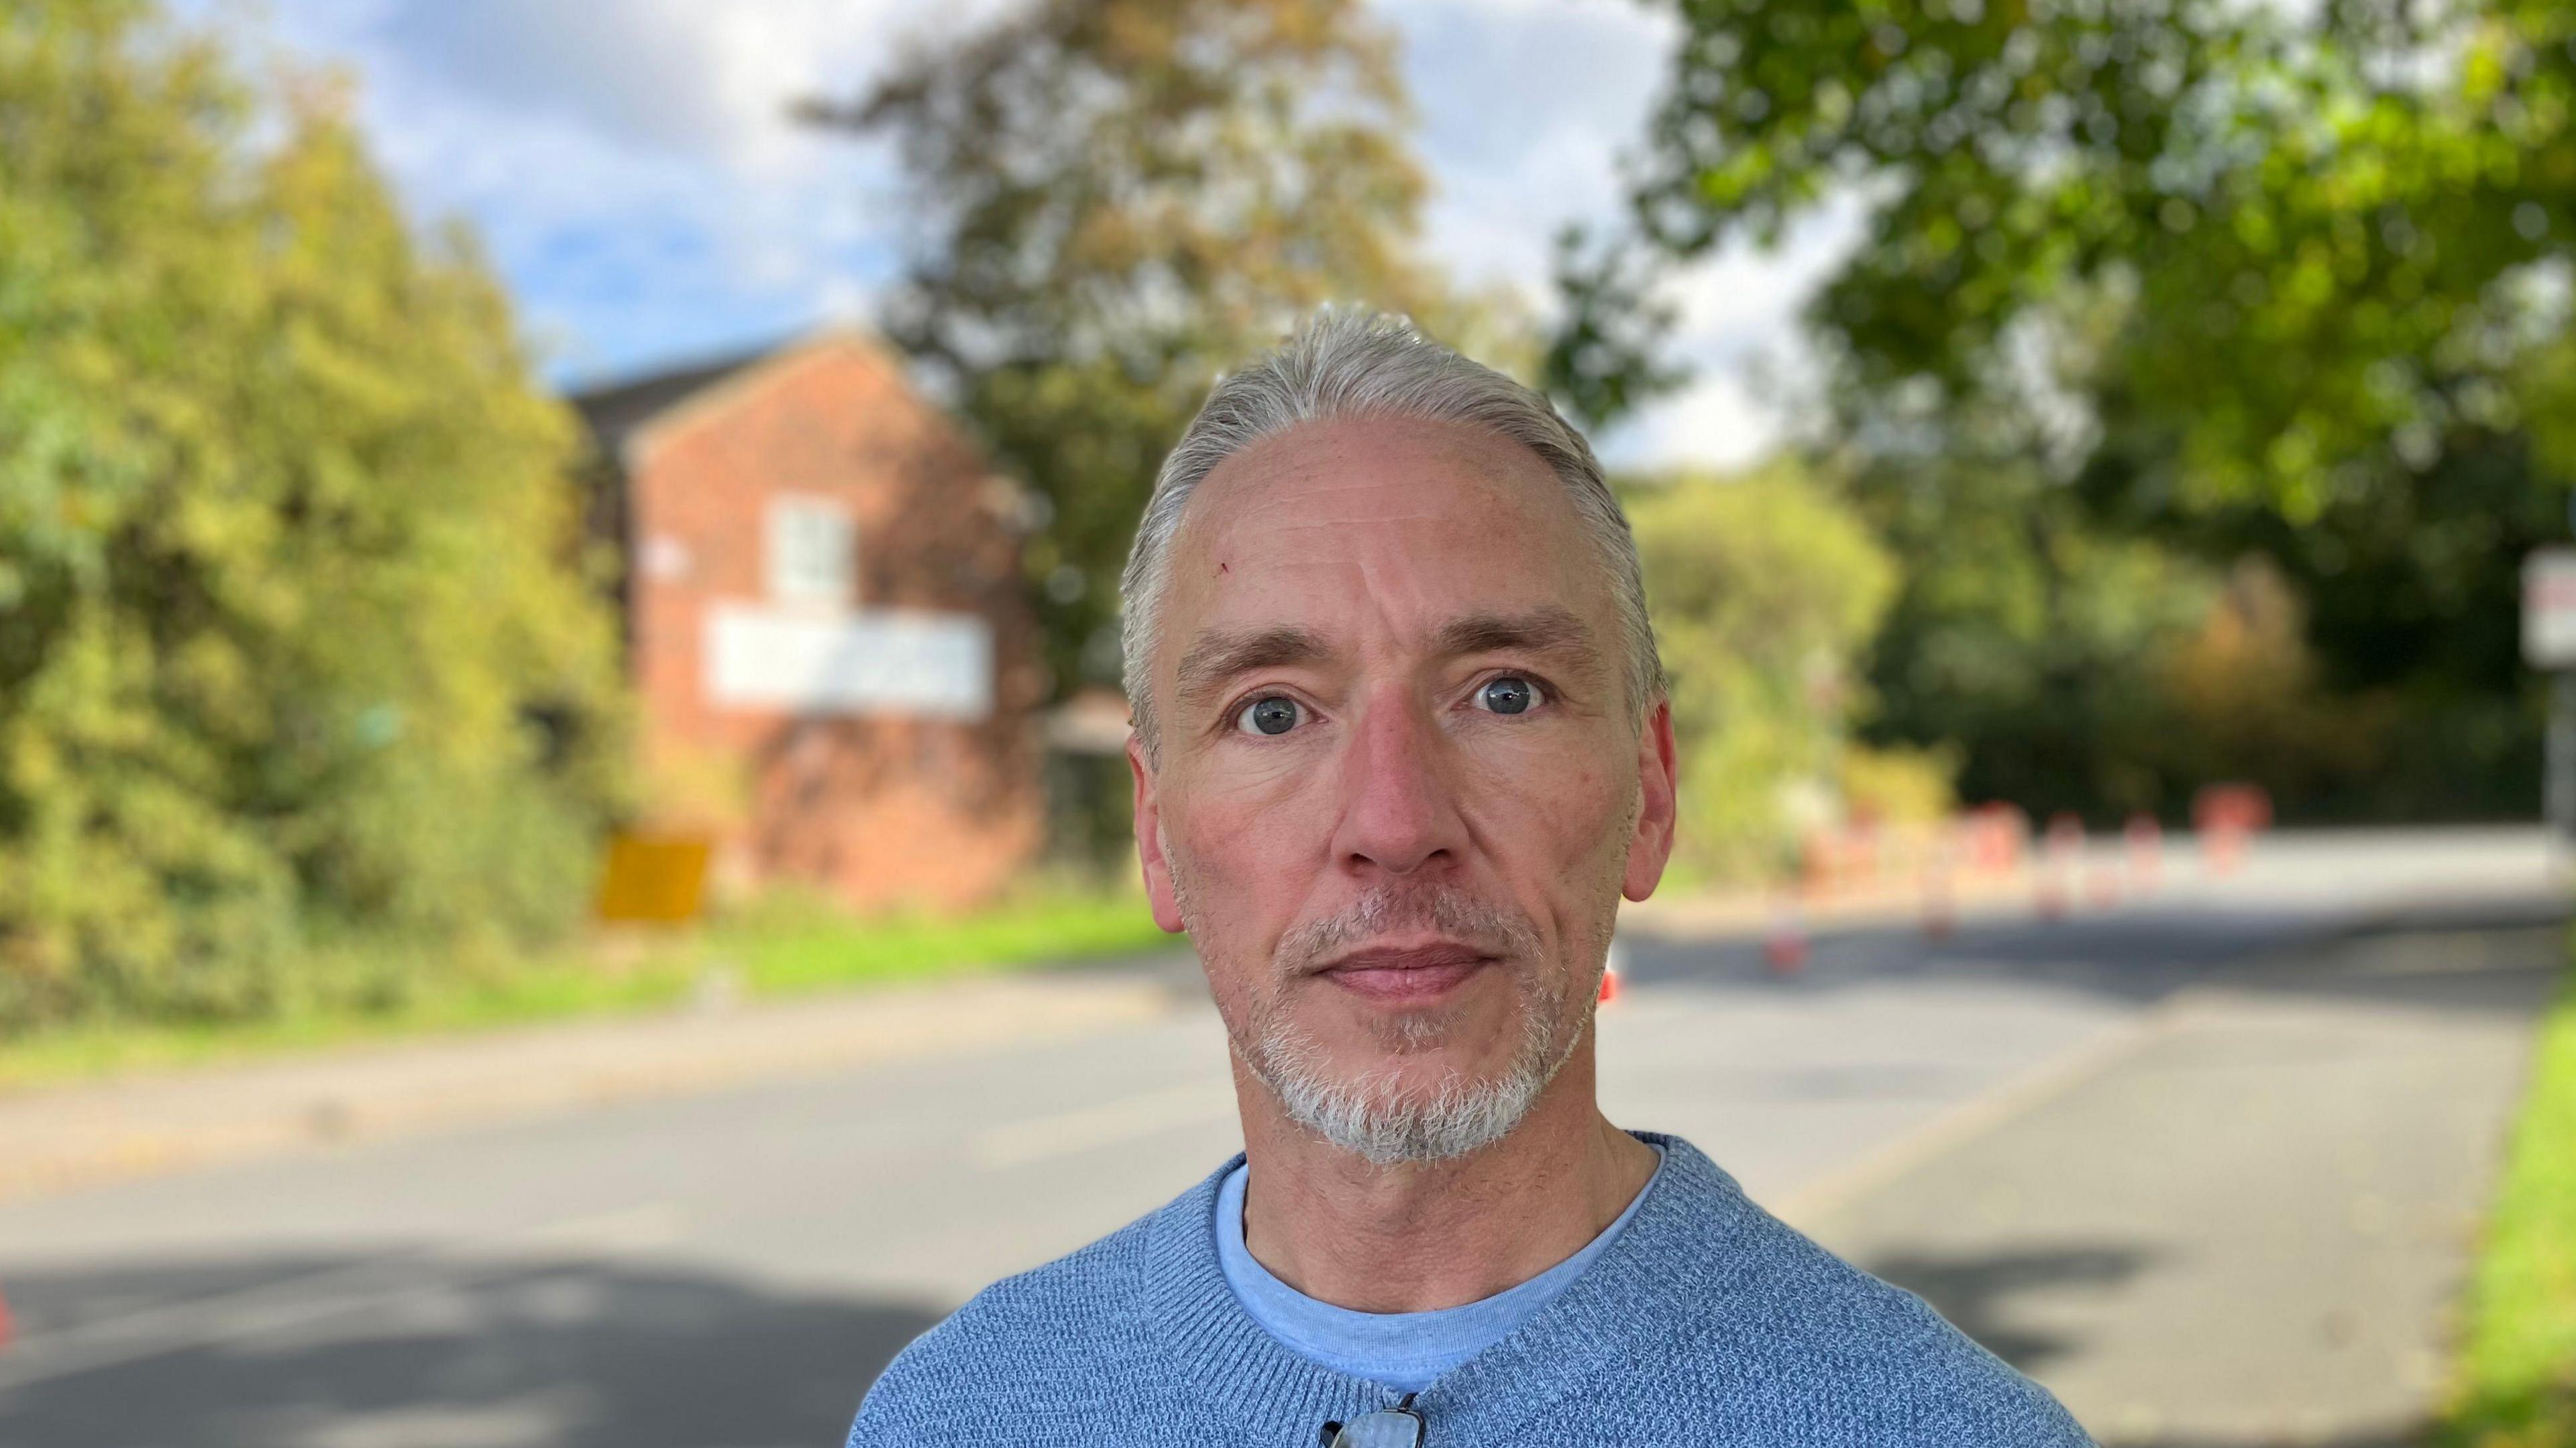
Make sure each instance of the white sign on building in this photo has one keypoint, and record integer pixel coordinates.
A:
(880, 661)
(2549, 608)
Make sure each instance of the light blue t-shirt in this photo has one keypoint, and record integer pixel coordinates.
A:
(1404, 1350)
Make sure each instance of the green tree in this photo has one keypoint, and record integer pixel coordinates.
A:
(1763, 587)
(2291, 279)
(2026, 633)
(1119, 198)
(293, 636)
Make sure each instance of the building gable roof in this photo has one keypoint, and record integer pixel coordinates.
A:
(618, 411)
(623, 416)
(626, 418)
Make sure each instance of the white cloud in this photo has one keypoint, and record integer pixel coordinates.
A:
(633, 168)
(1744, 291)
(1754, 378)
(1718, 421)
(1528, 108)
(682, 76)
(631, 163)
(1525, 105)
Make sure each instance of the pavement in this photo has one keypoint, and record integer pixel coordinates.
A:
(56, 1138)
(2249, 1223)
(2205, 1161)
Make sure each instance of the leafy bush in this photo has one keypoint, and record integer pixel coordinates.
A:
(1763, 587)
(294, 640)
(1899, 786)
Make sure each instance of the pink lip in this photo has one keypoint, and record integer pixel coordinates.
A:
(1406, 977)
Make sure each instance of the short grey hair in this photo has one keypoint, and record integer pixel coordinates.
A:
(1349, 362)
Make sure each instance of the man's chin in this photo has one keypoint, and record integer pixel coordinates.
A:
(1406, 1084)
(1416, 1075)
(1396, 1109)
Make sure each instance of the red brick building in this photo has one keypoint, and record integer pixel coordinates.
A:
(836, 665)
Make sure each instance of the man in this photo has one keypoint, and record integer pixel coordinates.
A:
(1401, 746)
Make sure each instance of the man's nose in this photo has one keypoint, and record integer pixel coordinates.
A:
(1399, 809)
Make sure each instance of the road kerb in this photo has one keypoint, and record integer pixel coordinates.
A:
(60, 1139)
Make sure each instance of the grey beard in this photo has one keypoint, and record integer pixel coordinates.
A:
(1364, 1116)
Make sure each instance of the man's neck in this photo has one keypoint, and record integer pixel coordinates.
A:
(1412, 1237)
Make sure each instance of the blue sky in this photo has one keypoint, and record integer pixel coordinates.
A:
(630, 168)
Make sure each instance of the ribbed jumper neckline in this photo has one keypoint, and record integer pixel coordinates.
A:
(1404, 1349)
(1607, 1316)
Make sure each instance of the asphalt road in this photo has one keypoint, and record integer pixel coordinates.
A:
(731, 1268)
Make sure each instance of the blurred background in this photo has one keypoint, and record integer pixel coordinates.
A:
(564, 867)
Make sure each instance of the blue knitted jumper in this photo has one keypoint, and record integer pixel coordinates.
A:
(1708, 1321)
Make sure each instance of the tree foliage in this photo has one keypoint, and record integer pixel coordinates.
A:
(1763, 588)
(1115, 200)
(293, 640)
(2231, 277)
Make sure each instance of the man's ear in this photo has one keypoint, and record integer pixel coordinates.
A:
(1650, 845)
(1149, 842)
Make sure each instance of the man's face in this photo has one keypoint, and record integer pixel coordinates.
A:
(1401, 784)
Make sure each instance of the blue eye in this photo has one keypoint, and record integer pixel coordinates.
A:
(1272, 715)
(1509, 694)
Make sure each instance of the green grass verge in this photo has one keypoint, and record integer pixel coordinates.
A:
(2516, 1384)
(791, 947)
(780, 948)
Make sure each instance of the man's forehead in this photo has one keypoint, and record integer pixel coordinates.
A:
(1412, 525)
(1319, 477)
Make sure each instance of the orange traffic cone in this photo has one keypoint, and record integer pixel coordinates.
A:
(2102, 888)
(2146, 844)
(1611, 960)
(2061, 861)
(1784, 945)
(1940, 904)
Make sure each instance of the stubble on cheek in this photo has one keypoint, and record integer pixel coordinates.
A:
(1272, 1007)
(1340, 1070)
(1259, 990)
(1238, 981)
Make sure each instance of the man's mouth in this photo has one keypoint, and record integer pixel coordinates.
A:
(1406, 977)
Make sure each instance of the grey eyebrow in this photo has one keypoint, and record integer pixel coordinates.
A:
(1549, 630)
(1220, 655)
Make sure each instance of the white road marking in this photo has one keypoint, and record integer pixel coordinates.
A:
(1973, 1116)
